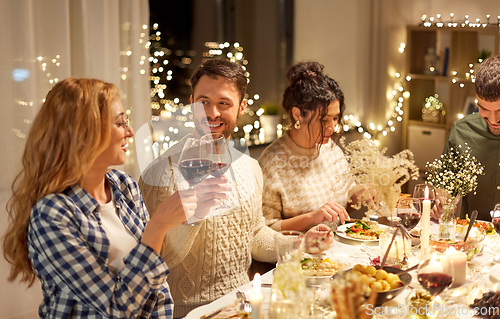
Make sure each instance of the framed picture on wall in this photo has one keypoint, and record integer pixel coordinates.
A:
(470, 105)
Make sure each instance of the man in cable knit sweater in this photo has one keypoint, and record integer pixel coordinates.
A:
(212, 258)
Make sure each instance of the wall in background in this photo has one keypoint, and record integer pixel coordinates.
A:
(357, 42)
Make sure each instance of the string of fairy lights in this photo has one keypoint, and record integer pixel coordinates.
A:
(162, 62)
(399, 94)
(177, 115)
(429, 21)
(254, 132)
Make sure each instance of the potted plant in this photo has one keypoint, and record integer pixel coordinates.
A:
(269, 120)
(483, 55)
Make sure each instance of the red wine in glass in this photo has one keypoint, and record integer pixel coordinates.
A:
(218, 169)
(496, 224)
(195, 170)
(435, 283)
(409, 220)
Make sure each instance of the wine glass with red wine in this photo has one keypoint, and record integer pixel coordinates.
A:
(220, 155)
(495, 220)
(409, 211)
(419, 193)
(436, 273)
(194, 163)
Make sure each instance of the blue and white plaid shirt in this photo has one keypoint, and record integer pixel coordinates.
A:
(69, 251)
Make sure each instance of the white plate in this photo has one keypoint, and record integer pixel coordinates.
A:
(495, 274)
(196, 313)
(342, 228)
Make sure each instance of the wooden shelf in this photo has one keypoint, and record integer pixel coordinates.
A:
(463, 45)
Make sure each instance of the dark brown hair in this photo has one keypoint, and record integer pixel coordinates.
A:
(221, 67)
(311, 91)
(487, 83)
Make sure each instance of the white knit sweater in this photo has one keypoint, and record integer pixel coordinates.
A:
(299, 180)
(212, 259)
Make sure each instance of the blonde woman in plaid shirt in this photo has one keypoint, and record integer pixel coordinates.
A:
(79, 226)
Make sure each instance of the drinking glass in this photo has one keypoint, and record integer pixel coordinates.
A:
(435, 274)
(194, 164)
(475, 269)
(495, 219)
(419, 193)
(409, 211)
(289, 288)
(219, 153)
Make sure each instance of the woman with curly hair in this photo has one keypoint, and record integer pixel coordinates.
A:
(81, 227)
(306, 176)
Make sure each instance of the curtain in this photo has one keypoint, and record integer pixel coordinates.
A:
(43, 42)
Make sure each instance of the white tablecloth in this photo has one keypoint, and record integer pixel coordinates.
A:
(351, 253)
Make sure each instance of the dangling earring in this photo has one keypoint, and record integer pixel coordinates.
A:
(297, 125)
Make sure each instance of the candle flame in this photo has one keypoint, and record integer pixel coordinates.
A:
(426, 192)
(256, 283)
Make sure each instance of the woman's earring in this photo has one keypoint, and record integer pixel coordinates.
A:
(297, 125)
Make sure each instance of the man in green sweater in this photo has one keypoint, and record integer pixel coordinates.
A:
(481, 132)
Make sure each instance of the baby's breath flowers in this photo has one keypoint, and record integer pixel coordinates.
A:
(456, 172)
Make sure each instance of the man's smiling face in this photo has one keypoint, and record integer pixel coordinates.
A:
(490, 112)
(221, 105)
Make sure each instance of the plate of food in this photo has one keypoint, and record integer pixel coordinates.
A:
(232, 310)
(362, 231)
(484, 225)
(318, 266)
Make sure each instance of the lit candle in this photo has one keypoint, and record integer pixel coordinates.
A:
(458, 261)
(256, 297)
(426, 220)
(435, 265)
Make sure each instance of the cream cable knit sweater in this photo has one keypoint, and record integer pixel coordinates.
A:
(298, 181)
(212, 259)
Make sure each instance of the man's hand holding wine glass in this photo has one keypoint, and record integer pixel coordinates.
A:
(210, 192)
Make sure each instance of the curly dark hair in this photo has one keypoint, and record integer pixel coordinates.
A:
(311, 91)
(225, 68)
(487, 83)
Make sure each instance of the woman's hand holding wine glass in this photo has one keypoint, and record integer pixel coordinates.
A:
(173, 211)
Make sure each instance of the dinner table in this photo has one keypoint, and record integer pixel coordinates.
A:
(454, 301)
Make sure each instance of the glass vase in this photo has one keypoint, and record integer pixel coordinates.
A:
(400, 249)
(448, 214)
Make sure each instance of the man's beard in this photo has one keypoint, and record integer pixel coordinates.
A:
(203, 129)
(494, 130)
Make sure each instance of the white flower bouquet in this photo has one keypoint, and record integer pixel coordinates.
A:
(455, 172)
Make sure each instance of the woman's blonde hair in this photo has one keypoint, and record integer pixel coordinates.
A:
(71, 129)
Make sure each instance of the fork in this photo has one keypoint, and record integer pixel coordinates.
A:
(245, 304)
